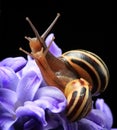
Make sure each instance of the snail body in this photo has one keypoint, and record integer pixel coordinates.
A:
(79, 74)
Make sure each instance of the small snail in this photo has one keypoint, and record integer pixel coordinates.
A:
(79, 74)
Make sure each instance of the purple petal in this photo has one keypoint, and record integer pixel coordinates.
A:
(54, 49)
(16, 63)
(30, 66)
(73, 126)
(52, 121)
(97, 117)
(6, 123)
(32, 125)
(102, 106)
(51, 98)
(66, 124)
(59, 122)
(28, 86)
(8, 78)
(8, 99)
(85, 124)
(31, 110)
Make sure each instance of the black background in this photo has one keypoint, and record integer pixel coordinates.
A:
(81, 25)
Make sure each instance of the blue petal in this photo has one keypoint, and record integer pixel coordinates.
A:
(102, 106)
(54, 49)
(28, 86)
(32, 110)
(16, 63)
(8, 78)
(8, 99)
(51, 98)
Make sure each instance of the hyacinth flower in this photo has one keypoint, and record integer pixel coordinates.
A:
(28, 103)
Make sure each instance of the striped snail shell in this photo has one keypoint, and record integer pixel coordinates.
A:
(79, 99)
(79, 74)
(89, 66)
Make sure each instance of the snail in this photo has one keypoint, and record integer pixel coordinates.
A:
(79, 74)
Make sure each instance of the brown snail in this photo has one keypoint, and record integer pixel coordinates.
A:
(79, 74)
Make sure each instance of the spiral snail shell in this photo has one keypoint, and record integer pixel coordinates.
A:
(89, 66)
(79, 99)
(79, 74)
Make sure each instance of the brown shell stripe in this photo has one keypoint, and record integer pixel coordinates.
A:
(93, 67)
(77, 103)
